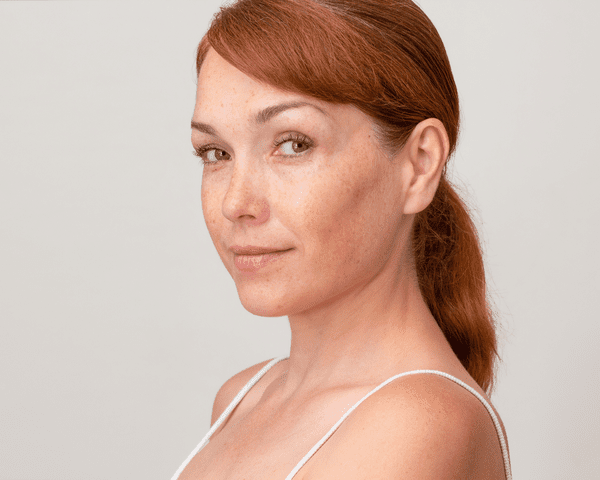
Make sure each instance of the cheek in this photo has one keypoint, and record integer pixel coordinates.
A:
(211, 208)
(339, 207)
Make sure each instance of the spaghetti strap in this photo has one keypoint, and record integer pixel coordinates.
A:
(225, 414)
(258, 376)
(507, 469)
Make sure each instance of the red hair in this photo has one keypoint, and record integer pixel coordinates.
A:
(386, 58)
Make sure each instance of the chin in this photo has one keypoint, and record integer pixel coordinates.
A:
(262, 300)
(265, 303)
(277, 302)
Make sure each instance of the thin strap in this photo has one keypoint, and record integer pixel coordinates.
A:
(488, 407)
(226, 413)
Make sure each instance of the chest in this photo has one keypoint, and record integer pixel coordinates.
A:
(266, 444)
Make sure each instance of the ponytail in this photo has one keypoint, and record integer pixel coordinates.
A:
(452, 281)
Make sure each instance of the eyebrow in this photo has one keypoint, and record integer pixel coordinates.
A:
(261, 117)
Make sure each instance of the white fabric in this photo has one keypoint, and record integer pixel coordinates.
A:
(318, 445)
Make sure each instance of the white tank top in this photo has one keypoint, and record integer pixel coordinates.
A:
(311, 452)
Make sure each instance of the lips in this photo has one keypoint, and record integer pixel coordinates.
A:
(250, 259)
(253, 250)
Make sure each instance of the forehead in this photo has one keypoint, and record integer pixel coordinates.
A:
(220, 84)
(222, 87)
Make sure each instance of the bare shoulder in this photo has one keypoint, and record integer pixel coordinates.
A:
(417, 427)
(231, 388)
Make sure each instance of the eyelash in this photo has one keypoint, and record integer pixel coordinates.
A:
(294, 137)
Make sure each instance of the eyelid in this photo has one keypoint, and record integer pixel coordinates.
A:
(297, 137)
(201, 150)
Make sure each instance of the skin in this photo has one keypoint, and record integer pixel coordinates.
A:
(348, 285)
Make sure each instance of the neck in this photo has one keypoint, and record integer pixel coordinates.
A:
(381, 327)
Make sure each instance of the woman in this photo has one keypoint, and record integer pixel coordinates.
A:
(324, 127)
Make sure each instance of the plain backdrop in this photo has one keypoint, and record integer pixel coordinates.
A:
(118, 322)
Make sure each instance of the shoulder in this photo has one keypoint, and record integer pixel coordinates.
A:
(419, 426)
(231, 388)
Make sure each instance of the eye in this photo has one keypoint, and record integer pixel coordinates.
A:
(294, 144)
(210, 154)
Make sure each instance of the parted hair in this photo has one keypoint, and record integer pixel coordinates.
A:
(386, 58)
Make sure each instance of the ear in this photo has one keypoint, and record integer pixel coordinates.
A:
(425, 155)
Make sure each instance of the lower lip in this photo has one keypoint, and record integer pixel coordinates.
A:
(253, 263)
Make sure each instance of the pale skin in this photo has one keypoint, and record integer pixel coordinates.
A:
(348, 286)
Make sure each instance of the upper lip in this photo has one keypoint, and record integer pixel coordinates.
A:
(253, 250)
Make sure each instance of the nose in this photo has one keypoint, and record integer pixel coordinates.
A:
(246, 196)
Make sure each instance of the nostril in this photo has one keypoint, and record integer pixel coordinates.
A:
(244, 202)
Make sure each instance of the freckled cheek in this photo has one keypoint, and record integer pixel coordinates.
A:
(294, 198)
(328, 214)
(211, 209)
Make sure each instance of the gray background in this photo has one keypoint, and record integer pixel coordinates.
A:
(118, 321)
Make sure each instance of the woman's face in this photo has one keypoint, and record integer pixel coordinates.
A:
(288, 173)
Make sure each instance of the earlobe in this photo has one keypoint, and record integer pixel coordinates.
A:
(427, 149)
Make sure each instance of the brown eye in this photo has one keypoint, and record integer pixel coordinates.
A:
(294, 146)
(221, 155)
(212, 155)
